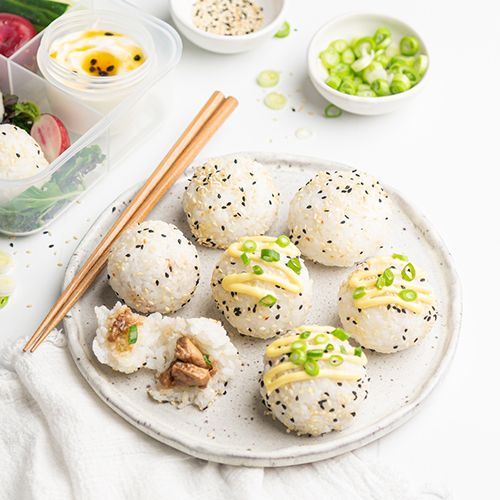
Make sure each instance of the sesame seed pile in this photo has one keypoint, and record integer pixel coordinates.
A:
(228, 17)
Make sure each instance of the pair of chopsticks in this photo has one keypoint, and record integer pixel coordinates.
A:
(181, 155)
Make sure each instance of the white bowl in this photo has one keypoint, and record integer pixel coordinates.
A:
(353, 26)
(274, 16)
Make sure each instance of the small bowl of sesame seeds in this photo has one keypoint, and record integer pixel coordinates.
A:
(228, 26)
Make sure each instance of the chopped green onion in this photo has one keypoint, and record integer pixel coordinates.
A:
(268, 300)
(311, 367)
(421, 64)
(343, 350)
(382, 38)
(341, 70)
(132, 334)
(269, 255)
(283, 241)
(3, 301)
(329, 58)
(363, 62)
(364, 45)
(347, 86)
(358, 351)
(320, 339)
(275, 101)
(409, 45)
(340, 333)
(315, 353)
(249, 246)
(402, 61)
(336, 360)
(411, 74)
(284, 31)
(388, 277)
(298, 357)
(400, 256)
(245, 259)
(400, 83)
(359, 292)
(298, 345)
(257, 270)
(348, 57)
(381, 87)
(380, 282)
(375, 71)
(331, 111)
(339, 45)
(333, 81)
(408, 295)
(330, 347)
(305, 335)
(268, 78)
(294, 265)
(206, 358)
(366, 93)
(408, 273)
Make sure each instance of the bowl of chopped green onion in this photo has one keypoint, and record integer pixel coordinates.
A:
(367, 64)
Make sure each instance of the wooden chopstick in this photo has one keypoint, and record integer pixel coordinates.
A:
(200, 130)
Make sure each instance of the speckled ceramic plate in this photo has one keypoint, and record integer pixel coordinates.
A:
(235, 430)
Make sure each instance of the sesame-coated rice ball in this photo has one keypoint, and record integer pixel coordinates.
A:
(387, 304)
(339, 217)
(313, 380)
(228, 198)
(154, 268)
(262, 286)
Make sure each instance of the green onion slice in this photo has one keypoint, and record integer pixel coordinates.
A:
(381, 87)
(382, 38)
(364, 45)
(336, 360)
(399, 256)
(334, 82)
(388, 277)
(298, 357)
(340, 334)
(268, 300)
(358, 351)
(257, 270)
(330, 347)
(3, 301)
(315, 353)
(206, 358)
(284, 31)
(409, 45)
(380, 282)
(331, 111)
(408, 295)
(275, 101)
(311, 367)
(339, 45)
(348, 57)
(359, 292)
(298, 345)
(294, 265)
(408, 273)
(283, 241)
(305, 335)
(320, 339)
(343, 350)
(249, 246)
(269, 255)
(132, 334)
(268, 78)
(245, 259)
(329, 58)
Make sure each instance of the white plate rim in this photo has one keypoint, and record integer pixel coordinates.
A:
(289, 455)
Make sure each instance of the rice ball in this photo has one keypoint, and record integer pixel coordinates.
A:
(154, 268)
(199, 360)
(20, 154)
(228, 198)
(339, 217)
(126, 341)
(262, 286)
(313, 380)
(387, 304)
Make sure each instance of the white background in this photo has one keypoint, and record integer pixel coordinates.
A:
(441, 151)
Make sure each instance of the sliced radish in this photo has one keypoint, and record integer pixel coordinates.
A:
(15, 31)
(51, 135)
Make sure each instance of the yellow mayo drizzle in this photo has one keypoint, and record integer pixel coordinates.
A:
(275, 378)
(388, 294)
(247, 283)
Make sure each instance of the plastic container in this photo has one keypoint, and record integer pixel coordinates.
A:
(97, 138)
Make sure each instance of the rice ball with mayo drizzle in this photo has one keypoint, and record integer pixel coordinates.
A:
(154, 268)
(387, 304)
(313, 380)
(262, 286)
(126, 341)
(339, 217)
(228, 198)
(199, 359)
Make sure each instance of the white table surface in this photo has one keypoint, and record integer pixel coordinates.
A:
(440, 150)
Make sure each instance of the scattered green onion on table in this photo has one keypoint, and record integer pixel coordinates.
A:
(373, 66)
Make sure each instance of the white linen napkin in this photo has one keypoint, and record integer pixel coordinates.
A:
(58, 440)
